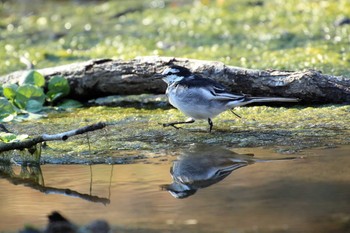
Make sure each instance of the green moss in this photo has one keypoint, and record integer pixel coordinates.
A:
(136, 133)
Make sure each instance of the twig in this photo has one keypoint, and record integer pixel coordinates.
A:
(49, 137)
(127, 11)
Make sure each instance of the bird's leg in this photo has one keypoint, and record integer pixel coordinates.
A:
(235, 113)
(173, 124)
(210, 122)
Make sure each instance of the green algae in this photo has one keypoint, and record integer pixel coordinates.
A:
(135, 133)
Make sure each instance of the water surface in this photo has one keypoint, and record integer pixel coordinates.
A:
(308, 194)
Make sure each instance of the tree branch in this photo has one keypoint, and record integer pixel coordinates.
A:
(49, 137)
(102, 77)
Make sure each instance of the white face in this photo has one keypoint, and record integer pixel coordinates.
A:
(170, 75)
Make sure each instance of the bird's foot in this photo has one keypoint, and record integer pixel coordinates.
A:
(170, 124)
(173, 124)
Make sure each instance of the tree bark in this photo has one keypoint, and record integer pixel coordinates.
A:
(102, 77)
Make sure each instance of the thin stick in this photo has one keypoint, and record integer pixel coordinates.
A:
(49, 137)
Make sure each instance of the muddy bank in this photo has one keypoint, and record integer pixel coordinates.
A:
(137, 134)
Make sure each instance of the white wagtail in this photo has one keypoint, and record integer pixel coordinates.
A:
(202, 167)
(205, 165)
(203, 98)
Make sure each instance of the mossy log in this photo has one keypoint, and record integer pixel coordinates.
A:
(102, 77)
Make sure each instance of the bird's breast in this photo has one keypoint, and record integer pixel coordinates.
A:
(176, 96)
(192, 103)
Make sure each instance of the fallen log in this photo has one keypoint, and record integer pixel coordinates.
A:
(102, 77)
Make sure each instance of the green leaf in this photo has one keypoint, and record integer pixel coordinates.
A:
(29, 92)
(9, 91)
(69, 103)
(10, 137)
(52, 97)
(34, 106)
(6, 108)
(9, 118)
(28, 117)
(58, 88)
(33, 77)
(7, 137)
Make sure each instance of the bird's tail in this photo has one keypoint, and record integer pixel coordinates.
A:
(249, 100)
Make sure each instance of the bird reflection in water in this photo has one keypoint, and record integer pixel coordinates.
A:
(204, 166)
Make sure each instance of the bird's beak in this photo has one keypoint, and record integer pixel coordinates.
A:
(158, 76)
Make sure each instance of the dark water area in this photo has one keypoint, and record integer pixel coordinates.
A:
(228, 192)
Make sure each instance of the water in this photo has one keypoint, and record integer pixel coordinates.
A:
(309, 194)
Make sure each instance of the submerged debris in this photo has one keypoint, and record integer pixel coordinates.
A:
(59, 224)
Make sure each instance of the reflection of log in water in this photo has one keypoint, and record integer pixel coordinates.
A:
(33, 178)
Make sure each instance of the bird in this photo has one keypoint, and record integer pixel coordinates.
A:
(202, 166)
(203, 98)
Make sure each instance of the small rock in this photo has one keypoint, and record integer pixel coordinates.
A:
(98, 226)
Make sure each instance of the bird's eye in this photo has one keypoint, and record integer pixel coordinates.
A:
(166, 71)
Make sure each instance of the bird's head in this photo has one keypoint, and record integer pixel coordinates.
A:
(178, 190)
(175, 73)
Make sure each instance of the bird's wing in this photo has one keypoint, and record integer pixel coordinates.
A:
(219, 92)
(226, 170)
(212, 89)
